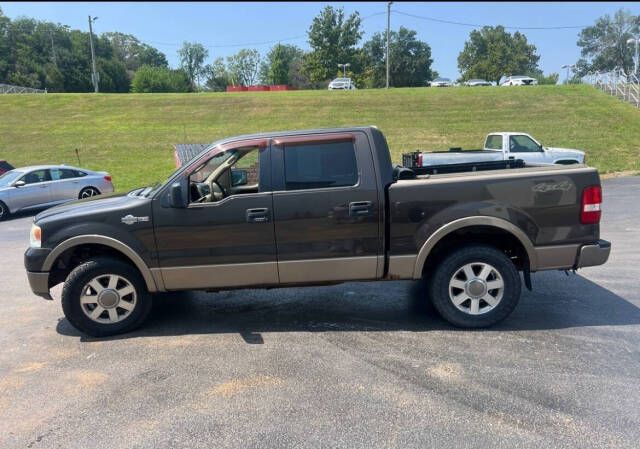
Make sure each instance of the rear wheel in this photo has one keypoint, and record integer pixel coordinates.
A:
(4, 211)
(88, 192)
(476, 286)
(105, 296)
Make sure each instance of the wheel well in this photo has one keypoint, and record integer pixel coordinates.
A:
(474, 235)
(72, 257)
(566, 162)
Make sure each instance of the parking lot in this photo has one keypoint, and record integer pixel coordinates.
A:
(355, 365)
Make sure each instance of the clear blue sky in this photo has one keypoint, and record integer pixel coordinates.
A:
(221, 25)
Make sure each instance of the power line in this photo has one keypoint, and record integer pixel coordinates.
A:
(450, 22)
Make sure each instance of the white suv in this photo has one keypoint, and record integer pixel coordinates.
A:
(342, 83)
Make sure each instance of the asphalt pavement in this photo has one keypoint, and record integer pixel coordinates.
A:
(350, 366)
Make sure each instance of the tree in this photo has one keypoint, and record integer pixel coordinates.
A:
(492, 53)
(150, 79)
(410, 60)
(243, 67)
(26, 57)
(550, 79)
(604, 47)
(133, 53)
(192, 56)
(276, 66)
(217, 76)
(333, 41)
(298, 78)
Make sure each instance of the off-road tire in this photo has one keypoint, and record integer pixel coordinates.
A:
(82, 275)
(442, 274)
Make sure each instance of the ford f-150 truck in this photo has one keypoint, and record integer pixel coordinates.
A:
(498, 147)
(326, 206)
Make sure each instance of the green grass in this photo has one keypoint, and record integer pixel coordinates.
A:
(132, 135)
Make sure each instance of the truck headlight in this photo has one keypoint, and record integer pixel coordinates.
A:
(35, 236)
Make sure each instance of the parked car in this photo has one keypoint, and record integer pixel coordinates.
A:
(441, 82)
(500, 146)
(5, 167)
(519, 81)
(35, 187)
(477, 82)
(328, 207)
(342, 83)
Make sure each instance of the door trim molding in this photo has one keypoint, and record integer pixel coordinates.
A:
(328, 270)
(219, 276)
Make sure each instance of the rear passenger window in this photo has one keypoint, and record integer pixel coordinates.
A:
(494, 143)
(78, 174)
(320, 165)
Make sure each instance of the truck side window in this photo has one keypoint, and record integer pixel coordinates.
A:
(523, 144)
(494, 143)
(317, 166)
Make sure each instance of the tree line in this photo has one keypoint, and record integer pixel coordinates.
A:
(42, 54)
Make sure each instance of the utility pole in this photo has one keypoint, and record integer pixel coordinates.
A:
(53, 49)
(568, 67)
(388, 25)
(94, 75)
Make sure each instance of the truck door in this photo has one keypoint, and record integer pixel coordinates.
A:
(225, 237)
(525, 148)
(326, 208)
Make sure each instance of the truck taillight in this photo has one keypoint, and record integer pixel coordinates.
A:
(591, 202)
(107, 178)
(420, 160)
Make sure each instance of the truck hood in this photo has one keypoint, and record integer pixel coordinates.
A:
(93, 205)
(564, 151)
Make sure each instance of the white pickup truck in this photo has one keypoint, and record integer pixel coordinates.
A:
(500, 146)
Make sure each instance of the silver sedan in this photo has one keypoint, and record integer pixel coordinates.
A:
(41, 186)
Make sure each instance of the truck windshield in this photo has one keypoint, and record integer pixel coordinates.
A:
(9, 177)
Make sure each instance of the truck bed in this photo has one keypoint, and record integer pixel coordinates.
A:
(537, 198)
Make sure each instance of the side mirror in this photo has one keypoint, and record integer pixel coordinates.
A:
(238, 178)
(19, 184)
(177, 198)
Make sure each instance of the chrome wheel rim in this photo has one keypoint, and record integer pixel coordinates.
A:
(476, 288)
(88, 193)
(108, 298)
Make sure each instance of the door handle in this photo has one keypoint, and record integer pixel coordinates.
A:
(44, 187)
(360, 208)
(259, 215)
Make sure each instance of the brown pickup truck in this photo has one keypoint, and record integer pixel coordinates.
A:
(321, 206)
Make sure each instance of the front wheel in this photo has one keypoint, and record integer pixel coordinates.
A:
(105, 296)
(475, 286)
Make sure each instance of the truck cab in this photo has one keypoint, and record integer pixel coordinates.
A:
(518, 145)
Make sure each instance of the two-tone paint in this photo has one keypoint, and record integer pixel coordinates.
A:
(307, 237)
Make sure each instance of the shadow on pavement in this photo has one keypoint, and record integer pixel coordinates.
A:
(559, 302)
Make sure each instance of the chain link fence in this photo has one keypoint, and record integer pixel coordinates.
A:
(618, 84)
(9, 89)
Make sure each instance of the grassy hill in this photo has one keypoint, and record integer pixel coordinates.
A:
(132, 135)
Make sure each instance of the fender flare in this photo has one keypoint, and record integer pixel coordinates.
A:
(466, 222)
(106, 241)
